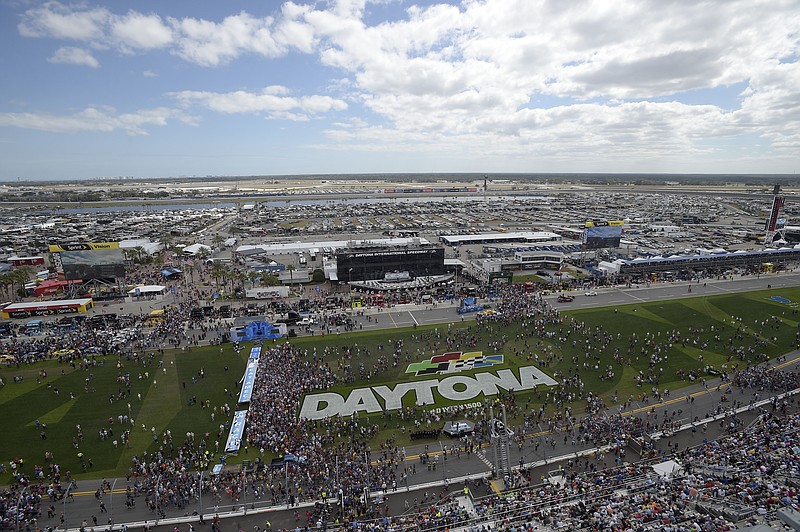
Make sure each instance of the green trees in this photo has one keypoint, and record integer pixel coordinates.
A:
(318, 276)
(218, 271)
(16, 279)
(268, 279)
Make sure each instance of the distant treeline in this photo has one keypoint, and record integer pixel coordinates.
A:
(477, 178)
(474, 178)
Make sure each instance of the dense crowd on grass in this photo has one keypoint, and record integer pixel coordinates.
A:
(333, 457)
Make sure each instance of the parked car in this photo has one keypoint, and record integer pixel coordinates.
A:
(591, 293)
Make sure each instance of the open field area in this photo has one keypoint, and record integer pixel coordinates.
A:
(622, 351)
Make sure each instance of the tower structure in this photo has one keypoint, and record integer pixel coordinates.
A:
(773, 225)
(500, 438)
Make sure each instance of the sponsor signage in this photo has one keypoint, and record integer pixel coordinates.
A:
(453, 363)
(56, 248)
(455, 388)
(608, 223)
(41, 312)
(248, 381)
(26, 261)
(255, 353)
(394, 252)
(772, 222)
(267, 292)
(236, 432)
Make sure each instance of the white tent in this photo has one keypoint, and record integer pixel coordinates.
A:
(667, 469)
(195, 249)
(147, 290)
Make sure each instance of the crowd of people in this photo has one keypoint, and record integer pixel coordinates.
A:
(334, 457)
(719, 483)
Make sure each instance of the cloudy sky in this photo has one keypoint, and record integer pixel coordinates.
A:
(182, 87)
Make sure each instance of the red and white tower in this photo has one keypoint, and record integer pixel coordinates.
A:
(772, 225)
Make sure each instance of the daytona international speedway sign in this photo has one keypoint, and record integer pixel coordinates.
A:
(456, 388)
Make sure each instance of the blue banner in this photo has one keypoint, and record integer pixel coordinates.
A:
(237, 430)
(255, 353)
(248, 381)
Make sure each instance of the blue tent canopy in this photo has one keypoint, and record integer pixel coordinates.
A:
(168, 273)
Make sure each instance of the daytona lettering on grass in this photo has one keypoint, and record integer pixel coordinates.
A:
(456, 388)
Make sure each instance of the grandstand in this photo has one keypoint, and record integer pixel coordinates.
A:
(759, 488)
(701, 263)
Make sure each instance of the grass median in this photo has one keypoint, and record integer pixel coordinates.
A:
(623, 351)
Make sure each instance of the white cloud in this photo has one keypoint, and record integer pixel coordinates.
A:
(70, 55)
(94, 119)
(272, 101)
(200, 41)
(494, 75)
(471, 75)
(56, 20)
(149, 74)
(136, 30)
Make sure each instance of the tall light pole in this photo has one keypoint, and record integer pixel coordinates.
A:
(286, 474)
(444, 463)
(201, 497)
(66, 496)
(111, 502)
(19, 503)
(350, 288)
(544, 445)
(244, 491)
(158, 496)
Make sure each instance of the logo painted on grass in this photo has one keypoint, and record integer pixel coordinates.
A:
(454, 362)
(779, 299)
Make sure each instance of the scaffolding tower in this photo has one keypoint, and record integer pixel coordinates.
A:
(501, 439)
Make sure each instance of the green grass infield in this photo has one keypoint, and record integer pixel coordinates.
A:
(620, 351)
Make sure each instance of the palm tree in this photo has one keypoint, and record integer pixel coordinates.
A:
(21, 275)
(190, 267)
(7, 281)
(141, 253)
(253, 277)
(218, 271)
(270, 280)
(167, 240)
(217, 240)
(291, 269)
(240, 278)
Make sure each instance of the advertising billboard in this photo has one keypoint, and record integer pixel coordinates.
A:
(602, 234)
(88, 261)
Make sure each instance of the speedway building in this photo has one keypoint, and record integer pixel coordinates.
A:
(396, 263)
(712, 262)
(348, 261)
